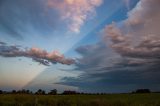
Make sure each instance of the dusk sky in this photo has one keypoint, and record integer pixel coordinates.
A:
(83, 45)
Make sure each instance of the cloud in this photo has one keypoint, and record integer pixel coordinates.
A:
(127, 57)
(2, 43)
(75, 12)
(19, 17)
(105, 71)
(138, 37)
(38, 55)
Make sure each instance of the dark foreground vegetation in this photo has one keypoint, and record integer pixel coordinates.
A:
(152, 99)
(71, 98)
(67, 92)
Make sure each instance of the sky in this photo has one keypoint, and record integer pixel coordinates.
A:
(84, 45)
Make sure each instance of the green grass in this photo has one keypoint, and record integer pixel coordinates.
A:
(152, 99)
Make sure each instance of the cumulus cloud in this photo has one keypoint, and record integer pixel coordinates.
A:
(127, 58)
(138, 37)
(37, 54)
(75, 11)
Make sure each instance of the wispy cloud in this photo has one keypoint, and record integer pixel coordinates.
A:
(37, 54)
(75, 12)
(44, 16)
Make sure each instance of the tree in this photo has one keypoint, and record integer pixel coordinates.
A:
(23, 91)
(28, 92)
(53, 92)
(142, 91)
(69, 92)
(40, 92)
(1, 92)
(13, 91)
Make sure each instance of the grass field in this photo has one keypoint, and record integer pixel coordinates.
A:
(152, 99)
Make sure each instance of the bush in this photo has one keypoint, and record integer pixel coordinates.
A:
(40, 92)
(143, 91)
(53, 92)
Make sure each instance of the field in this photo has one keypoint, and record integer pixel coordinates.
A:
(152, 99)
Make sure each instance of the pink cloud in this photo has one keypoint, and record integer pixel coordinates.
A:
(75, 12)
(37, 54)
(138, 36)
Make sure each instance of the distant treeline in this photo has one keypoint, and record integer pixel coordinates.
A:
(66, 92)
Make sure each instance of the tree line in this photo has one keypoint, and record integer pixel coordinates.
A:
(41, 92)
(66, 92)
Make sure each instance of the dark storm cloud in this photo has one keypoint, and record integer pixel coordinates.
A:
(116, 81)
(105, 72)
(2, 43)
(38, 55)
(18, 16)
(127, 58)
